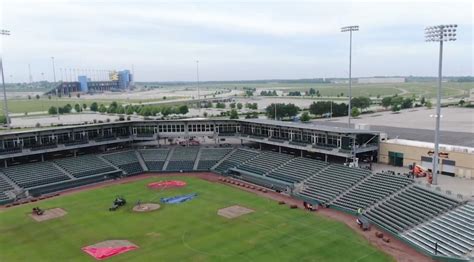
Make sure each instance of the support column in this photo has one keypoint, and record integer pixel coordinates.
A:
(326, 158)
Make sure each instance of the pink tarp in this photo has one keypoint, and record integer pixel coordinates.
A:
(166, 184)
(100, 253)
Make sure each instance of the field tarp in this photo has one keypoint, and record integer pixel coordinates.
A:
(178, 199)
(166, 184)
(101, 253)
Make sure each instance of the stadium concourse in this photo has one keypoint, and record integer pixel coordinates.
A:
(439, 224)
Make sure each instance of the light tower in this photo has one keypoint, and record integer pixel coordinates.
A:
(54, 70)
(197, 78)
(350, 29)
(5, 105)
(441, 34)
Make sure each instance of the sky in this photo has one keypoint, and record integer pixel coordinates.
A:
(233, 40)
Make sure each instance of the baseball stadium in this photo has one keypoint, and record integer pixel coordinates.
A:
(219, 190)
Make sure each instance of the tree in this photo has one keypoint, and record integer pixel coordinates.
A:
(305, 117)
(84, 106)
(205, 114)
(67, 109)
(164, 97)
(282, 110)
(37, 97)
(462, 102)
(120, 110)
(49, 97)
(396, 108)
(361, 102)
(77, 108)
(387, 102)
(183, 109)
(312, 92)
(129, 110)
(234, 114)
(423, 100)
(94, 107)
(407, 103)
(220, 105)
(239, 106)
(355, 112)
(232, 105)
(3, 119)
(52, 110)
(428, 104)
(102, 108)
(78, 95)
(29, 97)
(248, 93)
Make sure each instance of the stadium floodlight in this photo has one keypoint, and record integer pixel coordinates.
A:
(441, 34)
(5, 105)
(350, 29)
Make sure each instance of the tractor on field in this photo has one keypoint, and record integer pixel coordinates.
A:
(118, 202)
(37, 211)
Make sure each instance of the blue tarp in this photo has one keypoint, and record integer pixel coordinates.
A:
(178, 199)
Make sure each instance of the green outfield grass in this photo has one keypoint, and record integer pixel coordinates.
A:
(191, 231)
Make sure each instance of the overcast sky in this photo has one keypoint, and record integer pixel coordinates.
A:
(237, 40)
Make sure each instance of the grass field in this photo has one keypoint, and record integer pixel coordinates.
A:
(191, 231)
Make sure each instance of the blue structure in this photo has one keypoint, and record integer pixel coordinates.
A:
(83, 83)
(124, 78)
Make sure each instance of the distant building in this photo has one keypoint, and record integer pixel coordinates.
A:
(381, 80)
(124, 79)
(118, 80)
(471, 96)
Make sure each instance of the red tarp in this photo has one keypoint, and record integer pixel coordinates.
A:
(166, 184)
(100, 253)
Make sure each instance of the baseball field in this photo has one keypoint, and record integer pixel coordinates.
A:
(189, 231)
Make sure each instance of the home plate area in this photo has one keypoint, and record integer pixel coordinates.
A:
(49, 214)
(234, 211)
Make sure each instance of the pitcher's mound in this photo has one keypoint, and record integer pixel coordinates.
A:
(234, 211)
(49, 214)
(106, 249)
(147, 207)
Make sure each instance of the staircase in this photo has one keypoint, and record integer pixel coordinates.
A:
(198, 157)
(350, 189)
(223, 159)
(168, 157)
(141, 161)
(64, 171)
(9, 181)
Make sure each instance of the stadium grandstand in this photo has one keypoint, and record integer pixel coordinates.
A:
(116, 81)
(303, 161)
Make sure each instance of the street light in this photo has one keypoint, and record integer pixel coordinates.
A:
(54, 71)
(441, 34)
(350, 29)
(5, 105)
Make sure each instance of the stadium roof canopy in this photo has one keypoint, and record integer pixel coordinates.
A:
(312, 126)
